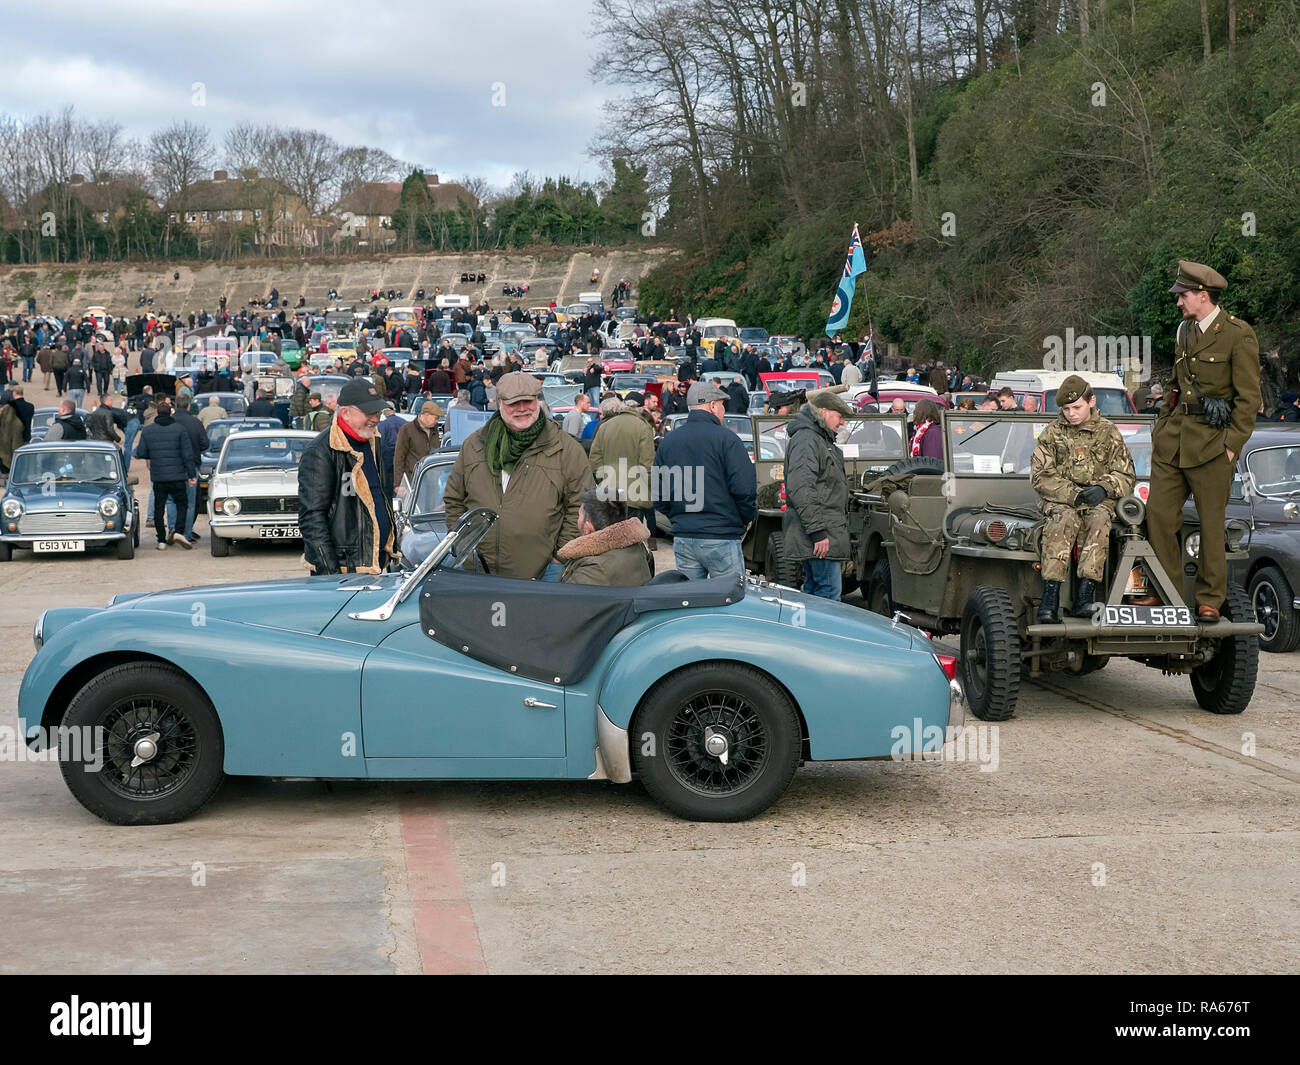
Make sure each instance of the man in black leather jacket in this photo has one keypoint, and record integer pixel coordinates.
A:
(345, 490)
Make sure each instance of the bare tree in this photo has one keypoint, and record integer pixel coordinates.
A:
(1205, 27)
(178, 156)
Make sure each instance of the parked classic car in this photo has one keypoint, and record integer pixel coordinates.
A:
(218, 429)
(711, 691)
(254, 493)
(68, 496)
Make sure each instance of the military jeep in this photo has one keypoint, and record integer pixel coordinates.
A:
(953, 547)
(870, 443)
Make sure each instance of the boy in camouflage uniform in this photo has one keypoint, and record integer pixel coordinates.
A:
(1080, 469)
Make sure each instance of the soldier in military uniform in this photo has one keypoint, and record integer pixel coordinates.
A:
(1080, 469)
(1205, 421)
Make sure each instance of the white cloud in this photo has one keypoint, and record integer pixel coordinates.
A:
(412, 78)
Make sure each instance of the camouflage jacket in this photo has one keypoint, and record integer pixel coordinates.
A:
(1068, 458)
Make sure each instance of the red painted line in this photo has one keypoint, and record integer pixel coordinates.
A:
(446, 934)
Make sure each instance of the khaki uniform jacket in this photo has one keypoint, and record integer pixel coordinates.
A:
(625, 436)
(11, 434)
(539, 509)
(1224, 363)
(413, 443)
(1069, 458)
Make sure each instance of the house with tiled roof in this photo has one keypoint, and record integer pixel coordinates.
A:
(367, 212)
(261, 207)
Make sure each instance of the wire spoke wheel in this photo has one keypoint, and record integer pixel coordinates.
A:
(150, 747)
(717, 744)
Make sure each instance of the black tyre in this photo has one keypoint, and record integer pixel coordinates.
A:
(879, 591)
(702, 715)
(1271, 597)
(990, 654)
(1225, 684)
(778, 567)
(126, 548)
(919, 464)
(157, 742)
(135, 528)
(6, 552)
(219, 545)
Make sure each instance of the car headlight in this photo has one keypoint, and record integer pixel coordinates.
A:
(108, 506)
(231, 507)
(12, 508)
(1192, 545)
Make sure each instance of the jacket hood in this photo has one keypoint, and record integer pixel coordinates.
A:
(611, 538)
(806, 418)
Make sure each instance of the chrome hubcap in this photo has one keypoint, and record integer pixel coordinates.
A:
(715, 742)
(146, 749)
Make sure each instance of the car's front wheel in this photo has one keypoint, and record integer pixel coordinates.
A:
(990, 654)
(1271, 598)
(716, 742)
(146, 746)
(1225, 684)
(219, 544)
(126, 547)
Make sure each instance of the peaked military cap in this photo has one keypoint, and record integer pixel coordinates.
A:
(1196, 277)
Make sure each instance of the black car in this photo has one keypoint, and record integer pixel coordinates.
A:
(1265, 495)
(68, 497)
(218, 429)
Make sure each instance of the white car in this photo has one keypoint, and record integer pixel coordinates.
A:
(253, 494)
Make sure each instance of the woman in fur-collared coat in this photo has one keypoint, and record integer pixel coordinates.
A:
(610, 548)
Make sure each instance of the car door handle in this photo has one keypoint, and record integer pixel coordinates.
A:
(537, 704)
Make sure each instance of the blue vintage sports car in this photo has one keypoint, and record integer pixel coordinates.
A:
(711, 691)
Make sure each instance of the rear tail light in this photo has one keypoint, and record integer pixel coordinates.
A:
(948, 663)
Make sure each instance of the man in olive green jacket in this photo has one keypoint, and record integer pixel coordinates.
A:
(1207, 417)
(622, 454)
(527, 469)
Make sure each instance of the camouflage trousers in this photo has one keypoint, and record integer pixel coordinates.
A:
(1089, 527)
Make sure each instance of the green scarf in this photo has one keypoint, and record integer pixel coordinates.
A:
(505, 446)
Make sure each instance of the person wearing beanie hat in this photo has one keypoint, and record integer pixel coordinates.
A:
(815, 527)
(1080, 469)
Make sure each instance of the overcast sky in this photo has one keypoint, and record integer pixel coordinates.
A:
(414, 78)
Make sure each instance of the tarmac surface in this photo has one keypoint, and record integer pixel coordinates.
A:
(1122, 830)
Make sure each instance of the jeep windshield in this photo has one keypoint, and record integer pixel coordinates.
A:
(992, 442)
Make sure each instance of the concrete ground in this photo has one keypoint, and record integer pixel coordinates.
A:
(1123, 830)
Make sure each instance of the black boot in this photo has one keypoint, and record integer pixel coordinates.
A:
(1084, 597)
(1051, 601)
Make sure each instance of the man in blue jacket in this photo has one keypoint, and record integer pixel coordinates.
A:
(707, 488)
(173, 466)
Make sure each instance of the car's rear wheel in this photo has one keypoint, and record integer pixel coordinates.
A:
(716, 742)
(1271, 598)
(879, 592)
(219, 544)
(1225, 684)
(778, 566)
(990, 654)
(151, 749)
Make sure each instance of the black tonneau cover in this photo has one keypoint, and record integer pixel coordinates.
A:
(544, 630)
